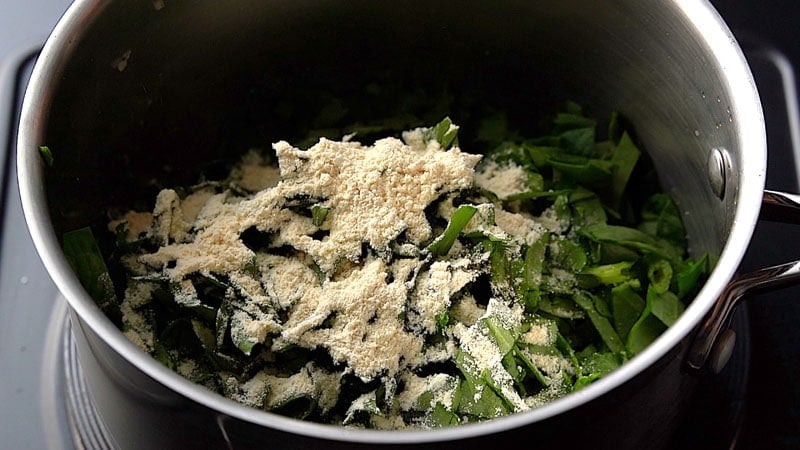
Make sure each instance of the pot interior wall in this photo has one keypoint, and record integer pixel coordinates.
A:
(152, 95)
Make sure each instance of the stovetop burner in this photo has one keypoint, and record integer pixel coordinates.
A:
(88, 429)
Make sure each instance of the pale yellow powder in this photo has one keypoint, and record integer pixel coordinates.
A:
(250, 287)
(434, 289)
(371, 337)
(168, 223)
(434, 353)
(466, 310)
(286, 279)
(133, 265)
(135, 324)
(391, 422)
(257, 330)
(374, 193)
(550, 220)
(253, 392)
(485, 353)
(186, 294)
(503, 180)
(285, 389)
(539, 334)
(551, 365)
(138, 294)
(136, 223)
(194, 203)
(443, 387)
(523, 228)
(327, 386)
(214, 207)
(255, 174)
(187, 368)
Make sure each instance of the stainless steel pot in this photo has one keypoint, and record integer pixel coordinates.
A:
(127, 93)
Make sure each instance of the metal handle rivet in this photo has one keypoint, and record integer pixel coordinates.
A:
(723, 350)
(718, 166)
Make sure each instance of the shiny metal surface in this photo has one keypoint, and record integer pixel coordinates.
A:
(737, 289)
(719, 165)
(671, 67)
(781, 207)
(88, 429)
(777, 206)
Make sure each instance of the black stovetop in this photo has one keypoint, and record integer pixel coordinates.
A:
(772, 413)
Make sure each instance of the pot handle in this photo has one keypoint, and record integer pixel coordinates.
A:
(713, 343)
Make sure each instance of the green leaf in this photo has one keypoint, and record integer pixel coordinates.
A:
(531, 195)
(506, 152)
(659, 273)
(626, 307)
(562, 209)
(541, 154)
(595, 366)
(522, 355)
(581, 169)
(564, 346)
(534, 259)
(493, 129)
(533, 264)
(442, 320)
(610, 274)
(573, 107)
(440, 416)
(362, 408)
(83, 255)
(601, 324)
(579, 141)
(518, 374)
(443, 132)
(318, 215)
(688, 278)
(252, 268)
(647, 329)
(624, 158)
(47, 155)
(628, 237)
(292, 358)
(568, 255)
(665, 305)
(244, 343)
(588, 210)
(661, 218)
(299, 407)
(500, 268)
(502, 337)
(476, 397)
(180, 336)
(576, 132)
(161, 354)
(222, 322)
(558, 306)
(460, 218)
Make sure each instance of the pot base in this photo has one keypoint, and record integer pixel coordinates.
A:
(88, 429)
(724, 393)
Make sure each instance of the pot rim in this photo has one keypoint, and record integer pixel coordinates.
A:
(746, 107)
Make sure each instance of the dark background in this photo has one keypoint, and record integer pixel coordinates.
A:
(775, 21)
(772, 410)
